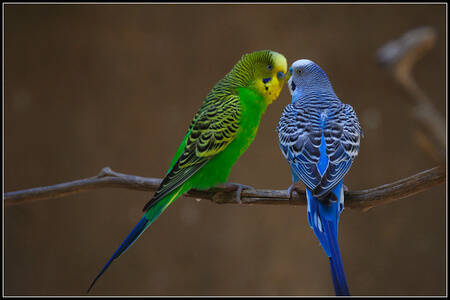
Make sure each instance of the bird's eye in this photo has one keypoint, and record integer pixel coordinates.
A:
(269, 67)
(299, 72)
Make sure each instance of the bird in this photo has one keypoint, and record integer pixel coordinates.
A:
(220, 132)
(320, 137)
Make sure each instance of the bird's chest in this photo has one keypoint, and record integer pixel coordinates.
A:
(248, 127)
(252, 108)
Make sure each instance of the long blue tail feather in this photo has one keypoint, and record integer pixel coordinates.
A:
(150, 216)
(323, 217)
(131, 238)
(336, 266)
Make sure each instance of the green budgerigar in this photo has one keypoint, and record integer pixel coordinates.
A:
(220, 132)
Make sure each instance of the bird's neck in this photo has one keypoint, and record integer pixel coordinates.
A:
(252, 103)
(314, 95)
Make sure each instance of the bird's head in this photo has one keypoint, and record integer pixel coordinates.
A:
(305, 76)
(268, 72)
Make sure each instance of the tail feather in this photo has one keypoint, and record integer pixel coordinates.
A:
(131, 238)
(336, 266)
(151, 215)
(323, 217)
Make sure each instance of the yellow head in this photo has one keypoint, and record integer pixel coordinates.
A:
(262, 71)
(270, 75)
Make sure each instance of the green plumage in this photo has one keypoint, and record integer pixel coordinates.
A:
(219, 133)
(230, 110)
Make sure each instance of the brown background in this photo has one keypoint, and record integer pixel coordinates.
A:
(88, 86)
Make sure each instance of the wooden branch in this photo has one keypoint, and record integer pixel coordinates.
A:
(361, 200)
(399, 57)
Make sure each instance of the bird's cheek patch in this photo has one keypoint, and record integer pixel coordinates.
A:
(266, 83)
(293, 86)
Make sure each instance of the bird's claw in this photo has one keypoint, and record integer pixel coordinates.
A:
(345, 188)
(291, 189)
(239, 188)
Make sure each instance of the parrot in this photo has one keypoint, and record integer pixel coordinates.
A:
(220, 132)
(319, 136)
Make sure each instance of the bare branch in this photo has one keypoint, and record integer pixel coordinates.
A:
(362, 200)
(399, 57)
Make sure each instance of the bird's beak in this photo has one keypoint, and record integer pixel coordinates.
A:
(288, 76)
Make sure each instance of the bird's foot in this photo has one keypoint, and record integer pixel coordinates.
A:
(345, 188)
(239, 188)
(292, 188)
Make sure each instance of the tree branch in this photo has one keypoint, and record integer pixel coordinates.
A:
(361, 200)
(399, 57)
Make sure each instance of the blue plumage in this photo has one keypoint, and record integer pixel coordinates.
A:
(130, 239)
(319, 136)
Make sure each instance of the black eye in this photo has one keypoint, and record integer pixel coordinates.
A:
(299, 72)
(269, 67)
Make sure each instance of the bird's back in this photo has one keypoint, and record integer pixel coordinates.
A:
(319, 136)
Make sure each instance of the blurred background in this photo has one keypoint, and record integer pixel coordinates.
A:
(89, 86)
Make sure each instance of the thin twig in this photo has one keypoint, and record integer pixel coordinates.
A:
(399, 57)
(361, 200)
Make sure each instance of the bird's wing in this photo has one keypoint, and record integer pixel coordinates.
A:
(342, 136)
(213, 128)
(300, 135)
(299, 140)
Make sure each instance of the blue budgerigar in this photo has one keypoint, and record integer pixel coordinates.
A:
(319, 136)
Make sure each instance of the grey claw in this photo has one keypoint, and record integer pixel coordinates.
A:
(238, 194)
(239, 188)
(291, 189)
